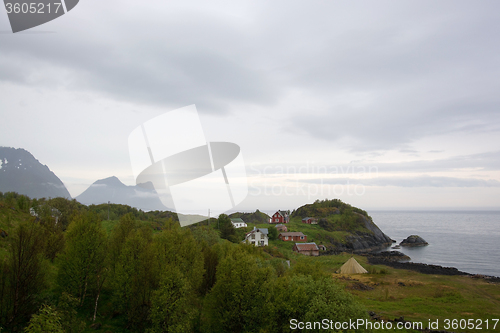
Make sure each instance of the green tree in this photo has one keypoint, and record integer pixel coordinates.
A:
(273, 233)
(287, 299)
(23, 203)
(67, 209)
(226, 228)
(25, 274)
(120, 232)
(328, 300)
(173, 307)
(309, 300)
(207, 238)
(135, 279)
(82, 264)
(66, 308)
(46, 321)
(177, 247)
(235, 303)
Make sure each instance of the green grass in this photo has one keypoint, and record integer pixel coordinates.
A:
(422, 297)
(313, 231)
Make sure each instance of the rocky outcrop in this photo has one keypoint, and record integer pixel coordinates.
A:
(360, 241)
(392, 256)
(419, 267)
(414, 240)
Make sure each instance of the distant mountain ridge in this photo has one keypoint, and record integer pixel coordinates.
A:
(21, 172)
(113, 190)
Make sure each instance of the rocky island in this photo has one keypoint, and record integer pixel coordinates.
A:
(413, 241)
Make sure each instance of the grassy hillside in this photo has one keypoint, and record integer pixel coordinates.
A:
(256, 217)
(326, 208)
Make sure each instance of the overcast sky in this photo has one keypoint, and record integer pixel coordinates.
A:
(384, 104)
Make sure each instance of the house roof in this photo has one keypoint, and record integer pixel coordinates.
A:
(292, 233)
(306, 218)
(265, 231)
(306, 246)
(237, 220)
(282, 213)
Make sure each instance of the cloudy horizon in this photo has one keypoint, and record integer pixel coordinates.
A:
(383, 105)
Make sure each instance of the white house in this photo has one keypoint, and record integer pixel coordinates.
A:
(238, 223)
(257, 237)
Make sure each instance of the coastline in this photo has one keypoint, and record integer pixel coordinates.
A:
(421, 267)
(466, 240)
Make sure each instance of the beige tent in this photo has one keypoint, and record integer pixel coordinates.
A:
(352, 267)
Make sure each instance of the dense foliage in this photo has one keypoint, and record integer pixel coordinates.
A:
(256, 217)
(325, 208)
(136, 278)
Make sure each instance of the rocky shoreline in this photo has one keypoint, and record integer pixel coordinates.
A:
(393, 259)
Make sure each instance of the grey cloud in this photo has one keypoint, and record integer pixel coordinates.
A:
(443, 81)
(409, 69)
(481, 162)
(420, 181)
(132, 65)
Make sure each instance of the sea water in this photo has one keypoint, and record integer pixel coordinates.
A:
(467, 240)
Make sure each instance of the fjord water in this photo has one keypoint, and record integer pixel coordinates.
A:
(467, 240)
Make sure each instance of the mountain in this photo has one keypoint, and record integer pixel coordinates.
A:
(20, 172)
(113, 190)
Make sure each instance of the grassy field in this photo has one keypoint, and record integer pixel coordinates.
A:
(421, 297)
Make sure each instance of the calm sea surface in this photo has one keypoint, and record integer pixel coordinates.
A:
(467, 240)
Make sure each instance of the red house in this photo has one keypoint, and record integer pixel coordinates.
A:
(308, 249)
(281, 227)
(280, 217)
(309, 220)
(293, 236)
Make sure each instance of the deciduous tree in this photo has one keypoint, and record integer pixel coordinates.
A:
(82, 265)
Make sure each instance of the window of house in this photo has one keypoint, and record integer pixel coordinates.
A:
(276, 220)
(253, 243)
(286, 237)
(301, 237)
(253, 236)
(261, 243)
(261, 236)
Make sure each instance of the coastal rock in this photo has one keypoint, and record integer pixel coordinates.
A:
(372, 239)
(414, 240)
(392, 256)
(419, 267)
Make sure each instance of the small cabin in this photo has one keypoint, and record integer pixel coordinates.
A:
(238, 223)
(295, 236)
(307, 249)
